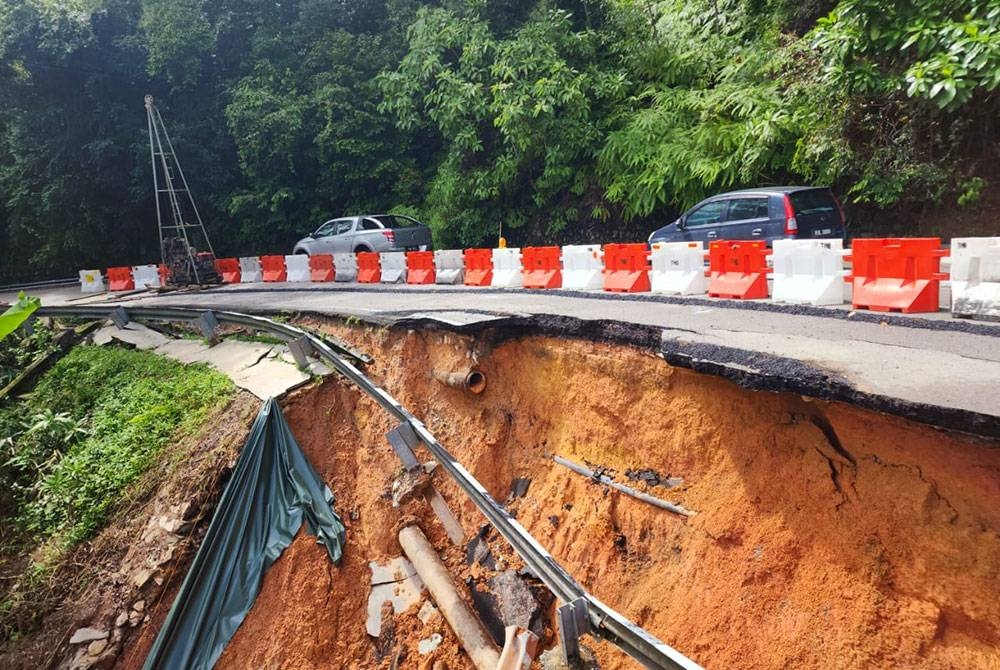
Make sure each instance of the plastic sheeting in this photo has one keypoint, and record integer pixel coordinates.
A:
(272, 491)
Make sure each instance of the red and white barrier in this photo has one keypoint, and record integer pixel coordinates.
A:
(975, 276)
(91, 281)
(678, 268)
(297, 268)
(250, 270)
(808, 272)
(507, 269)
(449, 266)
(345, 267)
(146, 276)
(583, 265)
(393, 265)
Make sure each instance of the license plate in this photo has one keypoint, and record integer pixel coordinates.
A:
(824, 231)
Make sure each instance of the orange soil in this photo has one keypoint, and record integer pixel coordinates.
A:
(883, 554)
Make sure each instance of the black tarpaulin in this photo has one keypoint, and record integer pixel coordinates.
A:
(272, 490)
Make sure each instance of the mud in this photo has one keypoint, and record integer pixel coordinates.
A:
(827, 536)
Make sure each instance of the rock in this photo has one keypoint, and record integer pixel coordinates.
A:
(408, 486)
(96, 647)
(429, 644)
(552, 659)
(88, 635)
(139, 606)
(134, 618)
(121, 620)
(427, 612)
(518, 606)
(141, 577)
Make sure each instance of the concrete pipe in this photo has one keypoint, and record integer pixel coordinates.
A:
(469, 631)
(472, 381)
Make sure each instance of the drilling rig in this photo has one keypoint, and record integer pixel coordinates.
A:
(184, 245)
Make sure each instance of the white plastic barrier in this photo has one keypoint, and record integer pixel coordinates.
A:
(808, 272)
(146, 276)
(345, 267)
(678, 268)
(449, 266)
(393, 267)
(507, 269)
(250, 270)
(975, 276)
(582, 267)
(297, 268)
(91, 281)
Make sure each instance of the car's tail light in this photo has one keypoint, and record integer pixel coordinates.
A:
(390, 235)
(791, 225)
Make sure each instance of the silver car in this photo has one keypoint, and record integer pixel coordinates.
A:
(369, 232)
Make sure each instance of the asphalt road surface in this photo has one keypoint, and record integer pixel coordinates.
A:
(921, 360)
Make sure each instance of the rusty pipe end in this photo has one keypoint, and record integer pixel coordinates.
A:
(473, 381)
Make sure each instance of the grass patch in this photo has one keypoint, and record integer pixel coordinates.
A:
(94, 424)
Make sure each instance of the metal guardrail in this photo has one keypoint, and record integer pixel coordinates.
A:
(604, 622)
(40, 284)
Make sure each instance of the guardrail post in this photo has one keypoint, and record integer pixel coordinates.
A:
(573, 622)
(300, 349)
(208, 325)
(120, 317)
(404, 441)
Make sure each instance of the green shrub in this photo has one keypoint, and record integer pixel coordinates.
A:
(94, 424)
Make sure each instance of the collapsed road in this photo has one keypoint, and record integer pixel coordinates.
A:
(927, 368)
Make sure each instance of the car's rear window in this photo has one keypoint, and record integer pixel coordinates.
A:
(396, 221)
(813, 202)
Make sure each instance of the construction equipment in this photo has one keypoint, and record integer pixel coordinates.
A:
(184, 246)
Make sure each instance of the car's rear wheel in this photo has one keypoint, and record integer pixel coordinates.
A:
(362, 247)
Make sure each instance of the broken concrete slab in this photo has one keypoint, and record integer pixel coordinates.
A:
(133, 333)
(395, 582)
(258, 368)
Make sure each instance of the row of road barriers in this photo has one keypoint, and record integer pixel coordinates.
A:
(884, 274)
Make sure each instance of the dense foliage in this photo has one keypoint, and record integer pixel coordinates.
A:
(565, 120)
(95, 422)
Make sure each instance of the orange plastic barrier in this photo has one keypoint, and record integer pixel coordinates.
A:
(420, 267)
(321, 267)
(737, 269)
(542, 267)
(626, 268)
(120, 279)
(369, 269)
(896, 274)
(273, 268)
(228, 269)
(478, 267)
(164, 275)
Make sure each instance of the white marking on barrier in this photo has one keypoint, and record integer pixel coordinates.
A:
(345, 267)
(91, 281)
(449, 266)
(975, 276)
(583, 265)
(808, 272)
(297, 268)
(393, 267)
(678, 268)
(146, 276)
(250, 270)
(507, 269)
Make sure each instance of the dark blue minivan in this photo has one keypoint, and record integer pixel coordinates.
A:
(772, 213)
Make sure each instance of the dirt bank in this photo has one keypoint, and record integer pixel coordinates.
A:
(826, 536)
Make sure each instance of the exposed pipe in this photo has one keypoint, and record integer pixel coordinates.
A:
(457, 613)
(473, 381)
(628, 490)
